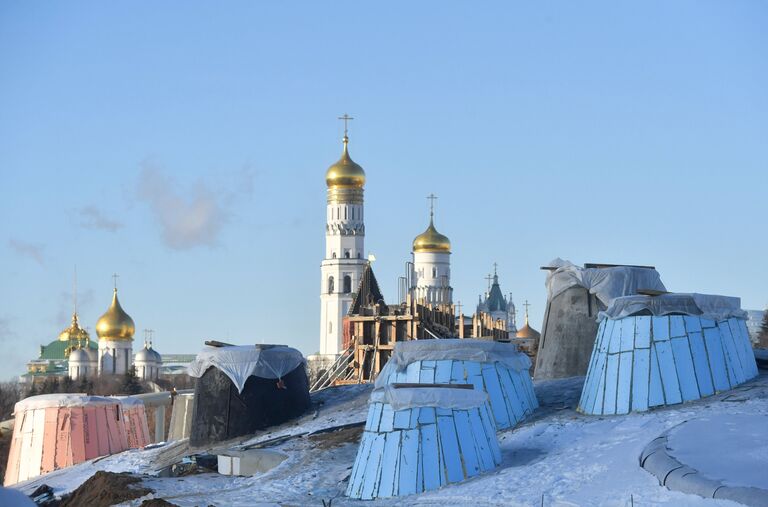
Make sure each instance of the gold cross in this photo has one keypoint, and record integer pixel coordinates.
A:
(115, 276)
(489, 278)
(346, 119)
(432, 198)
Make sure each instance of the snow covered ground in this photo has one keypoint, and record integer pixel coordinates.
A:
(567, 458)
(723, 432)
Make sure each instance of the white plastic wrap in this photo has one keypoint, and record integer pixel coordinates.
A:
(62, 400)
(466, 349)
(238, 362)
(442, 397)
(605, 283)
(707, 306)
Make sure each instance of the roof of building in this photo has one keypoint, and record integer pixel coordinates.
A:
(368, 292)
(57, 350)
(495, 301)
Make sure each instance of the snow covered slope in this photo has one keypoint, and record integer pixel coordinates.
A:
(568, 458)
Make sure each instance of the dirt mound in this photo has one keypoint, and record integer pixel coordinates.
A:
(157, 502)
(336, 438)
(104, 489)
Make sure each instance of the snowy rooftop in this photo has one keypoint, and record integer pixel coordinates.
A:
(568, 458)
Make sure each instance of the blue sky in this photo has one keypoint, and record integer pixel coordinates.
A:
(597, 131)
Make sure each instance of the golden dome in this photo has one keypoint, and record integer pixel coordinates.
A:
(115, 324)
(431, 241)
(345, 173)
(74, 332)
(527, 332)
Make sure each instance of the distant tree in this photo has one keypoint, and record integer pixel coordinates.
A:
(10, 393)
(131, 384)
(33, 390)
(67, 385)
(83, 387)
(762, 337)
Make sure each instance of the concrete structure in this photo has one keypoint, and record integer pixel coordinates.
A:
(575, 297)
(344, 260)
(181, 417)
(754, 325)
(413, 443)
(135, 420)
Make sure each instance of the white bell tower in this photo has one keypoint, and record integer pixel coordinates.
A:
(344, 261)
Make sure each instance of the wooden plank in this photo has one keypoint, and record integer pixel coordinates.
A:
(467, 446)
(743, 356)
(611, 383)
(458, 373)
(511, 398)
(387, 418)
(474, 375)
(63, 451)
(599, 398)
(640, 378)
(49, 445)
(427, 375)
(372, 423)
(668, 373)
(389, 465)
(408, 385)
(481, 439)
(103, 431)
(373, 468)
(732, 362)
(686, 374)
(627, 334)
(614, 344)
(642, 332)
(38, 439)
(716, 358)
(426, 415)
(624, 387)
(490, 430)
(443, 370)
(358, 469)
(25, 449)
(402, 419)
(409, 449)
(430, 456)
(676, 326)
(655, 387)
(651, 292)
(370, 418)
(701, 363)
(449, 446)
(692, 324)
(496, 397)
(660, 328)
(520, 380)
(77, 435)
(739, 329)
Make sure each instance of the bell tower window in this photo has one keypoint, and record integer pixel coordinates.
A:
(330, 285)
(347, 284)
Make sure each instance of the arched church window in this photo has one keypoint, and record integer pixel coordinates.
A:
(334, 255)
(346, 254)
(330, 285)
(358, 255)
(434, 272)
(347, 284)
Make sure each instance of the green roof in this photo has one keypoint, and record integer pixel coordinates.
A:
(54, 351)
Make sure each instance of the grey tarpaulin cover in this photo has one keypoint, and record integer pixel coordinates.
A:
(238, 362)
(605, 283)
(411, 397)
(707, 306)
(466, 349)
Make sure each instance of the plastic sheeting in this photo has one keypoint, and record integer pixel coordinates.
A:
(481, 351)
(703, 305)
(238, 362)
(605, 283)
(404, 398)
(62, 400)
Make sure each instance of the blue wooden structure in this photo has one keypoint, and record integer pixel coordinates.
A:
(421, 438)
(498, 369)
(665, 351)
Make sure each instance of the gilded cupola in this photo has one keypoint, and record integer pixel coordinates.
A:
(115, 324)
(432, 241)
(74, 333)
(345, 173)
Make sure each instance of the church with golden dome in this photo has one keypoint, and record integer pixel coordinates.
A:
(75, 355)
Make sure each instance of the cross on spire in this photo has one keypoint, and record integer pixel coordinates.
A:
(488, 279)
(526, 305)
(432, 198)
(74, 290)
(495, 265)
(346, 118)
(115, 276)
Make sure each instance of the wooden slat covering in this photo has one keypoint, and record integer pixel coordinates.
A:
(640, 362)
